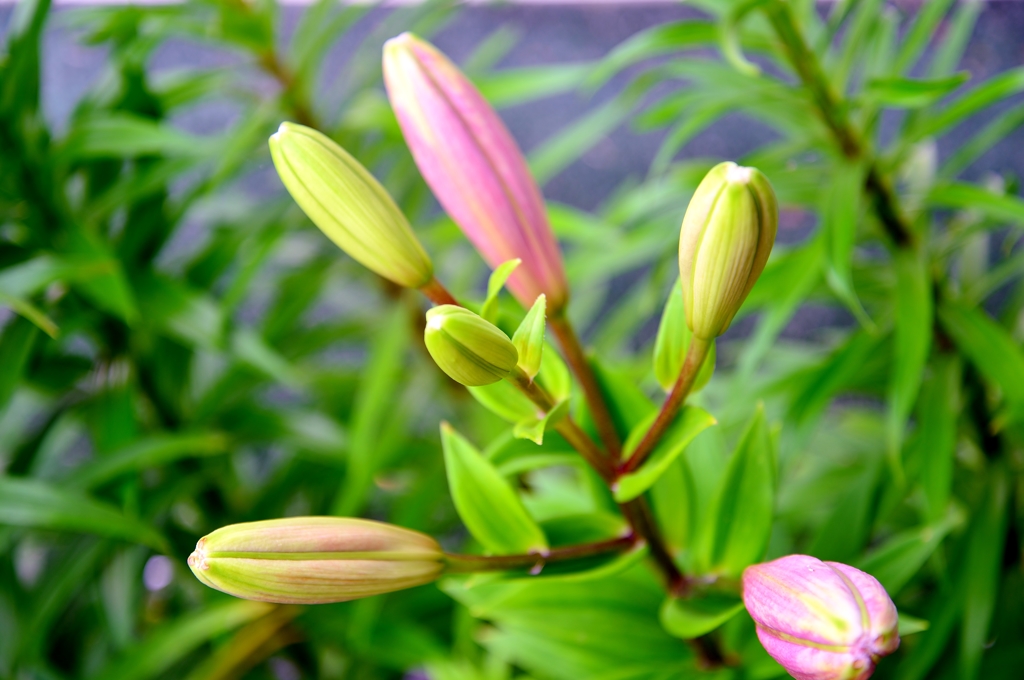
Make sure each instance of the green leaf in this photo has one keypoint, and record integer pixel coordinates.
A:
(739, 522)
(504, 400)
(120, 135)
(688, 424)
(529, 338)
(653, 42)
(993, 133)
(844, 534)
(674, 497)
(182, 313)
(557, 628)
(964, 196)
(993, 90)
(19, 336)
(37, 505)
(896, 561)
(693, 617)
(534, 428)
(984, 555)
(172, 642)
(150, 452)
(786, 282)
(488, 506)
(373, 426)
(841, 215)
(510, 87)
(990, 348)
(909, 625)
(922, 30)
(906, 93)
(489, 310)
(913, 316)
(958, 33)
(938, 413)
(672, 342)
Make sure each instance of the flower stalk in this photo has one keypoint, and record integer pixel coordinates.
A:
(695, 355)
(535, 562)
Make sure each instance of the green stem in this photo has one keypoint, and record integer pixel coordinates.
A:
(534, 562)
(566, 427)
(687, 375)
(577, 361)
(833, 109)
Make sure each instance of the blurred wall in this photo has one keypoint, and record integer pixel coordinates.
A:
(548, 34)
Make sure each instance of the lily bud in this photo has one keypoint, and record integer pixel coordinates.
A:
(469, 349)
(312, 560)
(820, 620)
(726, 237)
(351, 207)
(474, 167)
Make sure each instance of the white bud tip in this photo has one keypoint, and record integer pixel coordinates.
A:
(739, 174)
(197, 559)
(435, 323)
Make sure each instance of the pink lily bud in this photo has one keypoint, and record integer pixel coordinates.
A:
(312, 560)
(820, 620)
(474, 167)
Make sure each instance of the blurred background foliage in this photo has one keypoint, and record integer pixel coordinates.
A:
(182, 350)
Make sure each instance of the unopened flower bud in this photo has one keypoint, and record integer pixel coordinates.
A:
(349, 205)
(474, 167)
(726, 237)
(312, 560)
(469, 349)
(820, 620)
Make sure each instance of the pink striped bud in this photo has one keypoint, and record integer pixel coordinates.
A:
(820, 620)
(474, 167)
(311, 560)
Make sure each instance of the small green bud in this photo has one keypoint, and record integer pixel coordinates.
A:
(312, 560)
(349, 205)
(469, 349)
(726, 237)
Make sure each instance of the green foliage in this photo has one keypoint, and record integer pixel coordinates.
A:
(156, 384)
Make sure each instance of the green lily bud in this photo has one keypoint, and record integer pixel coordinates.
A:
(726, 237)
(469, 349)
(351, 207)
(312, 560)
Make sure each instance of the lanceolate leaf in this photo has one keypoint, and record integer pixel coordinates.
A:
(940, 408)
(905, 93)
(495, 283)
(913, 316)
(739, 521)
(529, 338)
(171, 643)
(990, 348)
(896, 561)
(150, 452)
(488, 506)
(692, 617)
(672, 342)
(34, 504)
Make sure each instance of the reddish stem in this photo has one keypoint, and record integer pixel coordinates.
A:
(437, 293)
(577, 360)
(687, 374)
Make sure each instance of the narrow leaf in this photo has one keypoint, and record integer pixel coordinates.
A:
(938, 413)
(489, 310)
(913, 315)
(739, 522)
(906, 93)
(695, 616)
(33, 504)
(672, 342)
(488, 506)
(529, 338)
